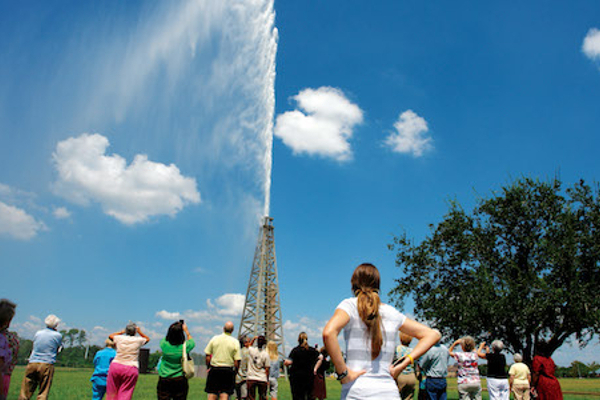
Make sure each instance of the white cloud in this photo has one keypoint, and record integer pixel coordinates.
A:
(322, 126)
(28, 328)
(164, 314)
(231, 304)
(410, 136)
(591, 44)
(225, 306)
(61, 213)
(210, 321)
(16, 223)
(130, 193)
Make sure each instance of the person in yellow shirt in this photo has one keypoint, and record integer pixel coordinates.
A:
(519, 378)
(222, 360)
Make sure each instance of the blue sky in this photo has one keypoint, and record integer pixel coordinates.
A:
(136, 143)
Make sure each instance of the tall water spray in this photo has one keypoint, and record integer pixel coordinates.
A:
(269, 49)
(196, 78)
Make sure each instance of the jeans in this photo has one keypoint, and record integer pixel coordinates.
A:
(435, 388)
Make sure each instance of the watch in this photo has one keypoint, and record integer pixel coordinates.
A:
(342, 375)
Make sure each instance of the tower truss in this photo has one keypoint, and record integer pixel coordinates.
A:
(262, 309)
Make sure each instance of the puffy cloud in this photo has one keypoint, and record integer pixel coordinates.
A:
(61, 213)
(410, 136)
(130, 193)
(591, 44)
(16, 223)
(164, 314)
(225, 306)
(322, 126)
(231, 304)
(27, 328)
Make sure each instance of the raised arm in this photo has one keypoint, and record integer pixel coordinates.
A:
(451, 349)
(483, 350)
(187, 332)
(112, 335)
(139, 331)
(427, 338)
(330, 339)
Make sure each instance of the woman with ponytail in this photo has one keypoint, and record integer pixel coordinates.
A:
(370, 330)
(302, 360)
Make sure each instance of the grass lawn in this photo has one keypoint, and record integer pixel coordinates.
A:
(74, 384)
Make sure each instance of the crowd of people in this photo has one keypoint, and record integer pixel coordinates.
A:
(373, 366)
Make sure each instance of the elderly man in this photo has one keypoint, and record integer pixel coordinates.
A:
(222, 360)
(40, 370)
(241, 388)
(434, 365)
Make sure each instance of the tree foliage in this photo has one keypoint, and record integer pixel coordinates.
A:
(523, 266)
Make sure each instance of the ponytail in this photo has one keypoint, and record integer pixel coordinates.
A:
(303, 340)
(368, 309)
(365, 285)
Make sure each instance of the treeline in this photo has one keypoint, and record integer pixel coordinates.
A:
(577, 369)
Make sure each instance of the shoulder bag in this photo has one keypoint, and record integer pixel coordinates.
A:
(187, 363)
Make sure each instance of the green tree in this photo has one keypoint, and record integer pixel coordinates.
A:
(25, 348)
(81, 337)
(523, 266)
(70, 337)
(593, 369)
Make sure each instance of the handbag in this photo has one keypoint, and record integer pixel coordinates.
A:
(187, 363)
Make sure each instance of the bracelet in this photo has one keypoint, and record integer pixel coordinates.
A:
(412, 360)
(342, 375)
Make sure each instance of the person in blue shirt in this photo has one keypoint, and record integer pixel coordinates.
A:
(434, 366)
(47, 343)
(102, 361)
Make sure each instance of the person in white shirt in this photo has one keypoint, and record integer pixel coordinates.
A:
(259, 363)
(370, 329)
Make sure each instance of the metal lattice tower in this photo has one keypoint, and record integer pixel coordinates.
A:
(262, 310)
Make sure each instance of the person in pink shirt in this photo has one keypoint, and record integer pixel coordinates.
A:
(469, 384)
(123, 371)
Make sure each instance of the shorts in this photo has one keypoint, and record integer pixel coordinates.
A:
(220, 380)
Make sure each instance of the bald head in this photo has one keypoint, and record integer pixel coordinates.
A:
(228, 328)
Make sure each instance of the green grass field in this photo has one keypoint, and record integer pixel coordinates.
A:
(74, 384)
